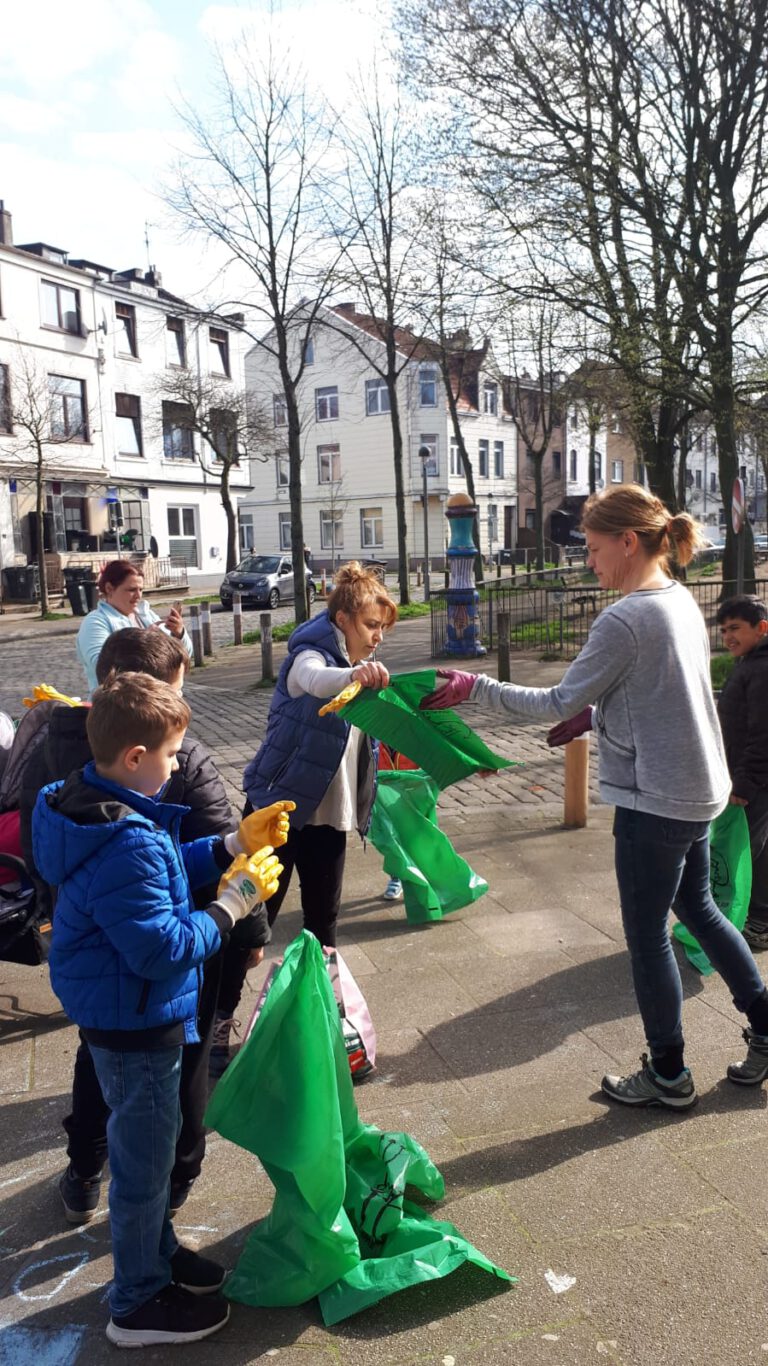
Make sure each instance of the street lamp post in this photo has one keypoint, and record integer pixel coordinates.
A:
(425, 454)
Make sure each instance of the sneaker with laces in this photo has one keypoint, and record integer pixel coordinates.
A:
(219, 1059)
(173, 1315)
(646, 1087)
(199, 1275)
(756, 936)
(80, 1198)
(754, 1068)
(393, 890)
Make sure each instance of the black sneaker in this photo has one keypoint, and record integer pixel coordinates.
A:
(754, 1069)
(80, 1198)
(199, 1275)
(179, 1195)
(756, 936)
(173, 1315)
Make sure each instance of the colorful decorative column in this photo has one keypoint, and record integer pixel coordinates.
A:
(463, 633)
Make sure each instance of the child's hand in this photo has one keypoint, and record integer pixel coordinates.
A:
(248, 881)
(268, 825)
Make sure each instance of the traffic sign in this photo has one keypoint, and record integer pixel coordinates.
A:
(738, 505)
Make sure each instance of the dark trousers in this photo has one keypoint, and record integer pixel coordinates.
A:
(757, 819)
(317, 852)
(86, 1125)
(660, 861)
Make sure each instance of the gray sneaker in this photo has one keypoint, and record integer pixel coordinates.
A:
(646, 1088)
(754, 1068)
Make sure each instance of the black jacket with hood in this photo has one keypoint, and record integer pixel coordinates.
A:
(743, 712)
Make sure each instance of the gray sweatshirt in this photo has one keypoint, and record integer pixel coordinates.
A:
(645, 666)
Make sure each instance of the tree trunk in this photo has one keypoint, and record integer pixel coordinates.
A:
(402, 524)
(229, 513)
(538, 489)
(592, 463)
(728, 469)
(294, 495)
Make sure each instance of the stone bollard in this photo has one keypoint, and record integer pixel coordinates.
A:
(205, 617)
(194, 628)
(237, 617)
(502, 628)
(265, 626)
(576, 803)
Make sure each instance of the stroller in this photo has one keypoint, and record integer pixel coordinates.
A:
(25, 927)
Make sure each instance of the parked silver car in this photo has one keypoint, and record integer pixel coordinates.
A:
(264, 581)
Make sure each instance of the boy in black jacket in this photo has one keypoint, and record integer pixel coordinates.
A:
(743, 713)
(196, 784)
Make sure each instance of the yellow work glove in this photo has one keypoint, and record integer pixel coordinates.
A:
(249, 880)
(341, 699)
(43, 692)
(268, 825)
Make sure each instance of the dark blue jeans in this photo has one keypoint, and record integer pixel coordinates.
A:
(142, 1092)
(659, 861)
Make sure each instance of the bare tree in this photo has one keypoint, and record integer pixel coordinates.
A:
(253, 184)
(232, 428)
(46, 414)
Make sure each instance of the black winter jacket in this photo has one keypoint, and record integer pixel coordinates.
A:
(743, 712)
(197, 784)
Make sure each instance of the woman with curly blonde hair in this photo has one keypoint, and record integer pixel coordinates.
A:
(645, 667)
(323, 764)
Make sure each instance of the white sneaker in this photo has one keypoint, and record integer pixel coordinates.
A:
(393, 890)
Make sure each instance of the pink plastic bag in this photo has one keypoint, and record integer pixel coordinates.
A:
(356, 1023)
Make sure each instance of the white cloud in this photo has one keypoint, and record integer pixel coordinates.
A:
(46, 44)
(27, 118)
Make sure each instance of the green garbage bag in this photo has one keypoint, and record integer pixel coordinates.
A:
(440, 742)
(404, 829)
(339, 1226)
(730, 874)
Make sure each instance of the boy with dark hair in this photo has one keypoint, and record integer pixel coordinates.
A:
(127, 946)
(743, 713)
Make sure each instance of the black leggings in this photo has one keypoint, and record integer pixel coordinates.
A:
(317, 852)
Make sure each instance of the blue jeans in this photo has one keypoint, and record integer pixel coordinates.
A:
(142, 1092)
(659, 861)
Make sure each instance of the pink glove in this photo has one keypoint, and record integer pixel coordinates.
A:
(457, 689)
(565, 731)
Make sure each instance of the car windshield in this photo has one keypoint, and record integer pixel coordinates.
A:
(259, 564)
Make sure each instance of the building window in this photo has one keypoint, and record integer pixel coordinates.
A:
(219, 340)
(429, 439)
(713, 483)
(328, 464)
(327, 403)
(697, 478)
(376, 397)
(60, 307)
(427, 386)
(5, 399)
(175, 342)
(455, 457)
(125, 317)
(574, 419)
(617, 471)
(222, 425)
(557, 464)
(281, 465)
(178, 439)
(498, 459)
(482, 459)
(491, 399)
(247, 538)
(182, 535)
(128, 424)
(67, 402)
(530, 519)
(598, 465)
(280, 410)
(371, 528)
(284, 530)
(639, 472)
(331, 530)
(309, 351)
(574, 466)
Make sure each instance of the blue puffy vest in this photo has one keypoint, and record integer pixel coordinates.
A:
(302, 751)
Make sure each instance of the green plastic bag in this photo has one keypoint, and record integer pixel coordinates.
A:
(404, 829)
(440, 742)
(730, 874)
(339, 1227)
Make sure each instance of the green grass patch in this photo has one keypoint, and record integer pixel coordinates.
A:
(412, 609)
(278, 633)
(56, 616)
(720, 666)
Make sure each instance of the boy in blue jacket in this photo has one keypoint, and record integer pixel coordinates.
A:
(125, 963)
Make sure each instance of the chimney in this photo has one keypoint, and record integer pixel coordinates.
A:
(6, 225)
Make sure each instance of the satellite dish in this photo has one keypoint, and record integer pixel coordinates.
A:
(153, 548)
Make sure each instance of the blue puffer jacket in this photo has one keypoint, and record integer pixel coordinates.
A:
(127, 941)
(302, 751)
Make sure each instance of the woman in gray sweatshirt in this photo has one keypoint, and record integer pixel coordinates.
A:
(642, 684)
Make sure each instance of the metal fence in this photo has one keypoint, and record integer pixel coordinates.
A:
(556, 618)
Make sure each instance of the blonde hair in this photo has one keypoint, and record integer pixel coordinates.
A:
(355, 587)
(133, 709)
(630, 507)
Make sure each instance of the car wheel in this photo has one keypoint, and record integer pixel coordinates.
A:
(273, 600)
(311, 594)
(226, 606)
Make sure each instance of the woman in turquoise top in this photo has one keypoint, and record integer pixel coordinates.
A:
(121, 584)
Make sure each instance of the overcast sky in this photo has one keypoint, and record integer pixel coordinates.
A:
(87, 121)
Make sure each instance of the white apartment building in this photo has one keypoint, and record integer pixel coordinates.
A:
(103, 351)
(348, 484)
